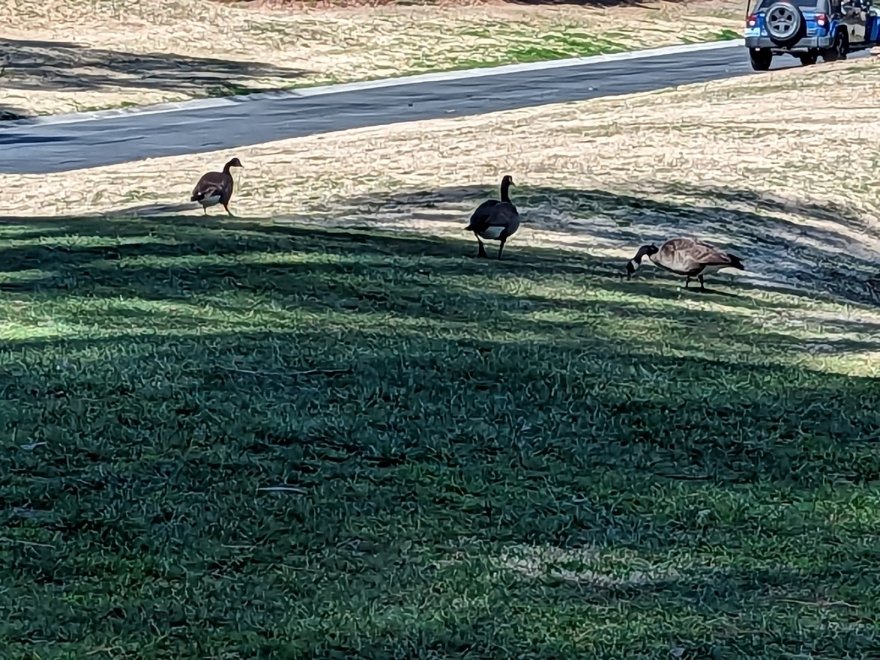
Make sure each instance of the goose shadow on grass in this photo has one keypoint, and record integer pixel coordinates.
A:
(67, 66)
(782, 250)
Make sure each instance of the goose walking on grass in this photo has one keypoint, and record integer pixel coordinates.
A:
(216, 188)
(685, 257)
(495, 220)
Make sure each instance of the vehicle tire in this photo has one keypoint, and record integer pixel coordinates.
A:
(785, 23)
(808, 59)
(760, 58)
(839, 48)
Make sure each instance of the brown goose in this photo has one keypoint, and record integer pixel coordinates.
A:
(215, 188)
(685, 257)
(495, 220)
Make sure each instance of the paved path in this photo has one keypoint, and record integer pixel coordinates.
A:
(209, 125)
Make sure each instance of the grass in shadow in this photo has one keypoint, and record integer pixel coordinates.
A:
(232, 438)
(794, 247)
(8, 113)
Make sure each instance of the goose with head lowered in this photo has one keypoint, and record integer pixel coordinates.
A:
(686, 257)
(495, 220)
(216, 187)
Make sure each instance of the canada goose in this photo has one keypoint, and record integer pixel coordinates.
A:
(495, 220)
(686, 257)
(215, 188)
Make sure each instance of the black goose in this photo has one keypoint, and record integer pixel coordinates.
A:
(215, 188)
(685, 257)
(495, 220)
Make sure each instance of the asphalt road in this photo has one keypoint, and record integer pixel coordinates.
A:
(56, 147)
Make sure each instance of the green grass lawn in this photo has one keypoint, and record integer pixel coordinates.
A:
(527, 458)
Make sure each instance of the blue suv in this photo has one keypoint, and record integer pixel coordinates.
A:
(807, 29)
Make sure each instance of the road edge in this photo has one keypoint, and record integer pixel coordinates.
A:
(319, 90)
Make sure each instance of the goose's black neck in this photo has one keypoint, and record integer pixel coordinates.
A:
(644, 251)
(505, 187)
(227, 167)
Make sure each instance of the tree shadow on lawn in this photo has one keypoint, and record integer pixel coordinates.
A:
(252, 253)
(553, 610)
(180, 257)
(65, 66)
(467, 409)
(378, 279)
(723, 611)
(790, 256)
(392, 467)
(8, 112)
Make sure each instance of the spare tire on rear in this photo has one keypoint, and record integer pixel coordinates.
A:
(784, 22)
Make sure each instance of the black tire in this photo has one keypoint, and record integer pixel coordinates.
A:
(760, 58)
(785, 23)
(808, 59)
(839, 49)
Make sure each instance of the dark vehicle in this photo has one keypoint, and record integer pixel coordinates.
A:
(807, 29)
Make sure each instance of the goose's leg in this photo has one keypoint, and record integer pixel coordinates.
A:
(481, 253)
(702, 286)
(227, 209)
(205, 209)
(501, 247)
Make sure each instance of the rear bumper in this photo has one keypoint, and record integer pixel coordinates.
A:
(808, 43)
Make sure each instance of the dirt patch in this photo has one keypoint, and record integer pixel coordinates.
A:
(59, 56)
(606, 175)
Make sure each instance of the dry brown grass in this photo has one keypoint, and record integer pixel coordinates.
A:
(725, 161)
(62, 56)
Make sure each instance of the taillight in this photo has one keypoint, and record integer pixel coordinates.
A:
(752, 20)
(821, 20)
